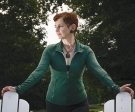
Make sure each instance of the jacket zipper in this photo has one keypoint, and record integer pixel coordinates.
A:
(67, 74)
(67, 71)
(65, 62)
(71, 60)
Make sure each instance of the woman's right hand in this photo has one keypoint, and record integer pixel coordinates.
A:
(8, 88)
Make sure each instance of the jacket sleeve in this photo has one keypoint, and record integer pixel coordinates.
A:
(100, 73)
(37, 74)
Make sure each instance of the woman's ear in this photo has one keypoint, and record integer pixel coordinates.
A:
(73, 27)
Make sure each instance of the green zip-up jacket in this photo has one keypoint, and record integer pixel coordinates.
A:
(66, 87)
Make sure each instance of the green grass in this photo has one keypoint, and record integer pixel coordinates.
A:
(93, 108)
(39, 111)
(96, 108)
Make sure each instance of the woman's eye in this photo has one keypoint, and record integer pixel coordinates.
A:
(58, 27)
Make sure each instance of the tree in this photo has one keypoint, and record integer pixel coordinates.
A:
(20, 37)
(109, 31)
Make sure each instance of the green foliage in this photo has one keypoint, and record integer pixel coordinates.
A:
(109, 31)
(20, 48)
(113, 39)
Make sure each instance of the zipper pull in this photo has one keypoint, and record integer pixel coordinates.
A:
(67, 74)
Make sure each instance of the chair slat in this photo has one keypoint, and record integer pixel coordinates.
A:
(23, 106)
(0, 105)
(10, 102)
(133, 105)
(109, 106)
(123, 102)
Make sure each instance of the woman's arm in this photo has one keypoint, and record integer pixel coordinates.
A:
(103, 76)
(34, 77)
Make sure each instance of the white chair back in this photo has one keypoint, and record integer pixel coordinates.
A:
(123, 103)
(11, 103)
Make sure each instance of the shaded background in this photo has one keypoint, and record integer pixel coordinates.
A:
(109, 30)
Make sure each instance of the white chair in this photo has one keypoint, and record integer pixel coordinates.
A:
(12, 103)
(123, 103)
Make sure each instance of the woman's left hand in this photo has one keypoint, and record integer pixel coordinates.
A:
(126, 88)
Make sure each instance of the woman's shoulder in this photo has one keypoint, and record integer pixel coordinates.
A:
(51, 46)
(86, 47)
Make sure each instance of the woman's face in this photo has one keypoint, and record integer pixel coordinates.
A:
(62, 30)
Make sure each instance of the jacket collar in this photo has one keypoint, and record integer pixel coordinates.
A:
(78, 48)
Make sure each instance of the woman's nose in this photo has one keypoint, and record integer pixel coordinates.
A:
(57, 29)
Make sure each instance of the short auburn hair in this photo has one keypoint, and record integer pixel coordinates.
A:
(68, 17)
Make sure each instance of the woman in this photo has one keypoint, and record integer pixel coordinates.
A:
(67, 60)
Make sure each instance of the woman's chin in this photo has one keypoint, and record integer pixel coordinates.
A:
(60, 37)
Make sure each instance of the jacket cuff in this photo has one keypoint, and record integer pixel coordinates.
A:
(19, 90)
(115, 89)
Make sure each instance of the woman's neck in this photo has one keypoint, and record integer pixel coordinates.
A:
(69, 41)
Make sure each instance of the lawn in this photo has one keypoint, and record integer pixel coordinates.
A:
(93, 108)
(96, 108)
